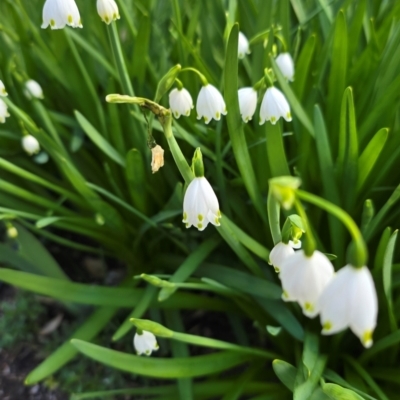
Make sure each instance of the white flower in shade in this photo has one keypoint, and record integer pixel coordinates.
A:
(304, 279)
(180, 102)
(145, 343)
(3, 91)
(108, 10)
(286, 65)
(274, 105)
(33, 90)
(279, 253)
(157, 158)
(210, 104)
(247, 103)
(3, 111)
(243, 46)
(30, 144)
(58, 13)
(200, 205)
(350, 300)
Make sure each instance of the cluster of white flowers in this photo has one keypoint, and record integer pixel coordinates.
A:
(274, 104)
(209, 105)
(346, 299)
(58, 13)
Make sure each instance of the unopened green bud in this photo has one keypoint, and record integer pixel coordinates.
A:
(197, 164)
(12, 232)
(167, 81)
(155, 281)
(283, 189)
(153, 327)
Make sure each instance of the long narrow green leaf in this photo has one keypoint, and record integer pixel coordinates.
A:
(161, 367)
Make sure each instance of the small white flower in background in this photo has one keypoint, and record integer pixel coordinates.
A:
(145, 343)
(243, 46)
(157, 158)
(58, 13)
(350, 300)
(180, 102)
(3, 91)
(274, 105)
(33, 90)
(304, 279)
(3, 111)
(295, 244)
(30, 144)
(279, 253)
(200, 205)
(210, 104)
(247, 103)
(108, 10)
(286, 65)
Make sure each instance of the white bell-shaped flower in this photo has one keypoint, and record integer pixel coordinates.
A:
(145, 343)
(3, 91)
(304, 279)
(108, 10)
(286, 65)
(30, 144)
(180, 102)
(247, 103)
(210, 104)
(200, 205)
(243, 46)
(3, 111)
(279, 253)
(58, 13)
(350, 300)
(33, 90)
(274, 105)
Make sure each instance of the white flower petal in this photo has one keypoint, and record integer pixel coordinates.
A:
(180, 102)
(279, 253)
(286, 65)
(3, 91)
(200, 205)
(3, 111)
(58, 13)
(210, 104)
(145, 343)
(274, 106)
(33, 90)
(243, 46)
(295, 244)
(304, 279)
(107, 10)
(247, 103)
(30, 144)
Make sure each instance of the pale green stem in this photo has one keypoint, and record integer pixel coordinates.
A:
(199, 74)
(309, 242)
(360, 258)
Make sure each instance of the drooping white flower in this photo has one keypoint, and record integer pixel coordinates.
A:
(247, 103)
(286, 65)
(58, 13)
(33, 90)
(30, 144)
(145, 343)
(180, 102)
(200, 205)
(279, 253)
(304, 279)
(157, 158)
(3, 91)
(243, 46)
(3, 111)
(210, 104)
(274, 105)
(350, 300)
(108, 10)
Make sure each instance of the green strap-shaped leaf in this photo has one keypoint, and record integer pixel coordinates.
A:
(235, 125)
(336, 392)
(99, 140)
(285, 372)
(161, 367)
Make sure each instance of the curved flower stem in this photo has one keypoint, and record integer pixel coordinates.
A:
(360, 256)
(203, 79)
(309, 242)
